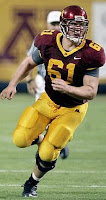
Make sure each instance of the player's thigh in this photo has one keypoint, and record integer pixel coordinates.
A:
(61, 129)
(30, 125)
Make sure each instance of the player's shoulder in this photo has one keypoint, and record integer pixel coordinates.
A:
(94, 54)
(46, 38)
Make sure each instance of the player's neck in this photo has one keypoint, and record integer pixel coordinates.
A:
(67, 44)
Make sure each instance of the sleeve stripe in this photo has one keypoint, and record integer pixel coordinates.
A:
(91, 69)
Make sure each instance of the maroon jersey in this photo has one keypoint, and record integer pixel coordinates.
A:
(70, 66)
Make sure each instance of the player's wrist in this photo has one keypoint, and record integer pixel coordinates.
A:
(70, 90)
(13, 83)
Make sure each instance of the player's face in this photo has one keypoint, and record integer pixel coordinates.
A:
(53, 26)
(76, 29)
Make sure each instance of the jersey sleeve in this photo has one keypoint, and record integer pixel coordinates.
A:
(36, 57)
(41, 44)
(35, 54)
(93, 72)
(94, 57)
(45, 40)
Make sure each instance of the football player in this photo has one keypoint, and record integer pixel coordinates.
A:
(37, 87)
(72, 68)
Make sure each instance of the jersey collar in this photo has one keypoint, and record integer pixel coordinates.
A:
(65, 53)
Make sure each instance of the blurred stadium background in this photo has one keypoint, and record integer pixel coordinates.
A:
(21, 21)
(83, 174)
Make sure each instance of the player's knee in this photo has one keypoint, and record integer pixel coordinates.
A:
(43, 165)
(60, 137)
(46, 151)
(66, 135)
(19, 138)
(22, 135)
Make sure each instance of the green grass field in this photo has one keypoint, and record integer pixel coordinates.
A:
(80, 177)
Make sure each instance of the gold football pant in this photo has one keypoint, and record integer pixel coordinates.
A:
(62, 125)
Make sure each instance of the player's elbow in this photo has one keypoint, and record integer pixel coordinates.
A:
(91, 97)
(92, 93)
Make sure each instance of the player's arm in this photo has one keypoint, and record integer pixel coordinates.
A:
(31, 86)
(24, 68)
(87, 91)
(28, 64)
(29, 78)
(22, 71)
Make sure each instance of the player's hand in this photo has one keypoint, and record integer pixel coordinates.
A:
(60, 85)
(8, 92)
(31, 87)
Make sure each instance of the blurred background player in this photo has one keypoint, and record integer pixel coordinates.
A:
(37, 87)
